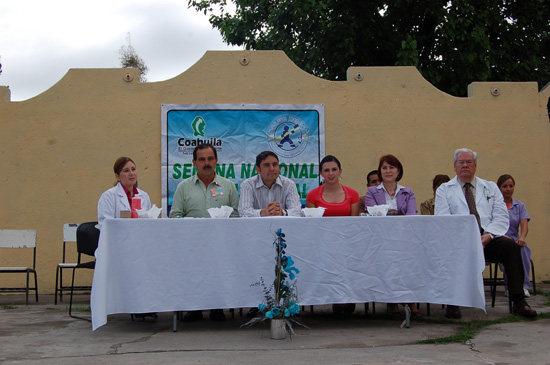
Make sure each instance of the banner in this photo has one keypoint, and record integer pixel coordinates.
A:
(239, 132)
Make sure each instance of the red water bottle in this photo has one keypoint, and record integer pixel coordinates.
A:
(136, 204)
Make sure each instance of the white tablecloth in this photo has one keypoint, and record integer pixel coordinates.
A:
(161, 265)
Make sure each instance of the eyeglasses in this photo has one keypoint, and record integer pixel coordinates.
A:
(461, 162)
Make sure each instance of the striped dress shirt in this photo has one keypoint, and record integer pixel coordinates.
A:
(255, 196)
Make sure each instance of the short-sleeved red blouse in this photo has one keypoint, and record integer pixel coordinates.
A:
(343, 208)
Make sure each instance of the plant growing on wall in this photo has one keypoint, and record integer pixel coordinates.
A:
(130, 59)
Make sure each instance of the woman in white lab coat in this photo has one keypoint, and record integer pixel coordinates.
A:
(119, 197)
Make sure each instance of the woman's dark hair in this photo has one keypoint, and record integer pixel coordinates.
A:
(440, 179)
(503, 178)
(120, 163)
(329, 158)
(391, 160)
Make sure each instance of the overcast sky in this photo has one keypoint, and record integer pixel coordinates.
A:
(40, 40)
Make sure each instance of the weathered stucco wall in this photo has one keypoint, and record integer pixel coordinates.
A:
(57, 149)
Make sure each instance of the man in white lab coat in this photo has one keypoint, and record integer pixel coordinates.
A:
(468, 194)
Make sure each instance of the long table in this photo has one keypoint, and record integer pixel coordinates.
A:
(164, 265)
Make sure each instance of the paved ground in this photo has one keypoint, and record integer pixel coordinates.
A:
(44, 333)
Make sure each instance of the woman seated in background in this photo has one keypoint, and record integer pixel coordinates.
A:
(518, 224)
(338, 200)
(119, 197)
(401, 201)
(427, 207)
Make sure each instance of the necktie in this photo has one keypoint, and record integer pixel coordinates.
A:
(472, 203)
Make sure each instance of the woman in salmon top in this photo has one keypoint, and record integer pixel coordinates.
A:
(338, 200)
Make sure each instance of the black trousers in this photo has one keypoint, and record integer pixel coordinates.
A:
(508, 253)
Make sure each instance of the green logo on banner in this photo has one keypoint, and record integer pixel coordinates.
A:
(198, 126)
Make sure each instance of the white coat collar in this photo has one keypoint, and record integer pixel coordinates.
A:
(482, 189)
(123, 197)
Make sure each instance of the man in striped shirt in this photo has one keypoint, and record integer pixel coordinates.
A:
(268, 193)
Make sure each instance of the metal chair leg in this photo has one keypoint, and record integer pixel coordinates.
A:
(71, 301)
(367, 308)
(494, 286)
(533, 276)
(56, 286)
(27, 289)
(35, 286)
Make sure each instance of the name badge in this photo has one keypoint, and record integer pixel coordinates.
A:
(217, 191)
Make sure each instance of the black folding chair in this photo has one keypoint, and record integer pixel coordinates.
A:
(87, 240)
(494, 280)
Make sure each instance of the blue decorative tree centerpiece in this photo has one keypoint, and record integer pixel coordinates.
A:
(280, 298)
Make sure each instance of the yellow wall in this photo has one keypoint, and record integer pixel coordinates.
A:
(57, 149)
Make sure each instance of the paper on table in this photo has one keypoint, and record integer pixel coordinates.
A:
(222, 212)
(154, 212)
(313, 212)
(378, 210)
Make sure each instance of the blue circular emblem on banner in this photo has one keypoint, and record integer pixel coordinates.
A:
(288, 135)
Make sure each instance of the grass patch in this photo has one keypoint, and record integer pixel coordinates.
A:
(544, 293)
(81, 308)
(51, 309)
(8, 306)
(468, 330)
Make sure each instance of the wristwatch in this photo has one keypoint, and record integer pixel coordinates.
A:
(285, 212)
(492, 235)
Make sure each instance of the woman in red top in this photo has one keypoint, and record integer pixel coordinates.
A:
(338, 200)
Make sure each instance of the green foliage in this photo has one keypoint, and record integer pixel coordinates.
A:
(451, 42)
(81, 308)
(546, 294)
(8, 306)
(130, 59)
